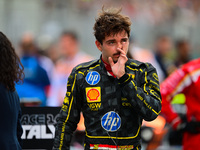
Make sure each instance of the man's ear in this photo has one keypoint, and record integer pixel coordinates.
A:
(98, 44)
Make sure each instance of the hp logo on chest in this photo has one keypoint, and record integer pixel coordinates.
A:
(92, 78)
(111, 121)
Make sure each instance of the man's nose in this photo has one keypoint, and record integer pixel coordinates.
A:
(120, 45)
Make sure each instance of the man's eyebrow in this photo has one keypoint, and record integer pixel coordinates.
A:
(124, 38)
(112, 40)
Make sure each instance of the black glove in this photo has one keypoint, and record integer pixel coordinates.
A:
(193, 127)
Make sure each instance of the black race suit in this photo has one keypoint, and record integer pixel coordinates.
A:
(113, 108)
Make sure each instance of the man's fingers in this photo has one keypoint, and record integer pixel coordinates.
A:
(121, 51)
(124, 56)
(110, 61)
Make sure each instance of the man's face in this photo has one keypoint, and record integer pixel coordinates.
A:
(110, 45)
(68, 46)
(164, 45)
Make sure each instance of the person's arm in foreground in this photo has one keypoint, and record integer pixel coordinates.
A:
(169, 88)
(69, 116)
(19, 127)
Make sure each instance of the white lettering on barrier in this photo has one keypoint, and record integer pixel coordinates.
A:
(38, 131)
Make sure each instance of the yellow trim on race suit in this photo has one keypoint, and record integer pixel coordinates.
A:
(132, 68)
(127, 79)
(134, 85)
(157, 113)
(81, 73)
(144, 100)
(145, 83)
(63, 127)
(145, 77)
(94, 66)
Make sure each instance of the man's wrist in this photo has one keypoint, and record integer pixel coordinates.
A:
(124, 79)
(121, 75)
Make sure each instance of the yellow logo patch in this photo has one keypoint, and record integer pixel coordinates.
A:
(68, 93)
(93, 94)
(66, 100)
(94, 106)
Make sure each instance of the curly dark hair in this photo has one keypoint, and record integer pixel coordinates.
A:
(111, 22)
(10, 64)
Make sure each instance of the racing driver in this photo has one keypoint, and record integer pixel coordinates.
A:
(114, 93)
(185, 80)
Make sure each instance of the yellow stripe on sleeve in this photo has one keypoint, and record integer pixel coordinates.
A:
(64, 123)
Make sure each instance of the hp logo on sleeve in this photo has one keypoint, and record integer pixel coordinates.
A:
(111, 121)
(93, 78)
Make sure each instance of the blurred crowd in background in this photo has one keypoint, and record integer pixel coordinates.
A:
(58, 35)
(51, 37)
(46, 19)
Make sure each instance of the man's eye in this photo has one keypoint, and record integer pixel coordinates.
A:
(110, 43)
(124, 41)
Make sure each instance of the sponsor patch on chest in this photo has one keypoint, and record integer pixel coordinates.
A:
(93, 94)
(92, 78)
(111, 121)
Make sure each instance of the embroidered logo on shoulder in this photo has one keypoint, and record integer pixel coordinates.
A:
(93, 94)
(111, 121)
(93, 78)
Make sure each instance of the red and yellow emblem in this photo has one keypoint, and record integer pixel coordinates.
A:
(93, 94)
